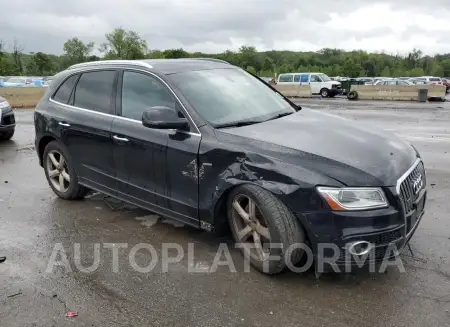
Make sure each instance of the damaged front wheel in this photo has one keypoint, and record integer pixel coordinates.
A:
(264, 228)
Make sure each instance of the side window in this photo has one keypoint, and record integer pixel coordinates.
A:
(286, 78)
(296, 78)
(140, 92)
(304, 78)
(65, 90)
(391, 83)
(315, 78)
(94, 91)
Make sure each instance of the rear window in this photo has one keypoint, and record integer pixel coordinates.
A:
(65, 90)
(286, 78)
(94, 91)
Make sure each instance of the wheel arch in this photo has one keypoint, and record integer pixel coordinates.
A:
(43, 142)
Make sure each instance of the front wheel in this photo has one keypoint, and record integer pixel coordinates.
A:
(324, 93)
(60, 173)
(265, 230)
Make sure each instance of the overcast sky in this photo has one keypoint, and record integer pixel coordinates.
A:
(216, 25)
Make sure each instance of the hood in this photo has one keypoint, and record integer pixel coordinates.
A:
(348, 151)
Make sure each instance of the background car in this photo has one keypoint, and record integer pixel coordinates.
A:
(393, 82)
(7, 120)
(17, 82)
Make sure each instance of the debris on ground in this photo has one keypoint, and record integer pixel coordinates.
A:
(2, 259)
(71, 314)
(15, 294)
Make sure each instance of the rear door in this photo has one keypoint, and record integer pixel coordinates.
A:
(86, 128)
(151, 163)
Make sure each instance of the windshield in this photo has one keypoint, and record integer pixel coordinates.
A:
(225, 96)
(16, 80)
(324, 77)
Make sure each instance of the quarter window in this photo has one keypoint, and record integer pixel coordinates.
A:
(140, 92)
(94, 91)
(65, 90)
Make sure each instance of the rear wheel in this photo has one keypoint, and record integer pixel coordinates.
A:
(6, 135)
(260, 223)
(60, 173)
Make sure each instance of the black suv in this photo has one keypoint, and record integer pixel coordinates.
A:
(205, 143)
(7, 120)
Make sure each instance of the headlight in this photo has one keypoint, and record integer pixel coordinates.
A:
(4, 104)
(353, 198)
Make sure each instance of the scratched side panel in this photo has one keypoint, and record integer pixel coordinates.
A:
(183, 175)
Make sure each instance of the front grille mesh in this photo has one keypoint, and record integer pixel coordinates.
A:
(407, 193)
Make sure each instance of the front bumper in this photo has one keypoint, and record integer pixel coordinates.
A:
(388, 230)
(7, 120)
(335, 91)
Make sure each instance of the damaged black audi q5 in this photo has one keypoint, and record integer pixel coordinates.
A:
(208, 144)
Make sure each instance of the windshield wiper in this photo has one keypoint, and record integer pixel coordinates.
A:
(280, 115)
(239, 123)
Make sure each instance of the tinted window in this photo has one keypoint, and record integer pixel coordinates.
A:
(296, 78)
(140, 92)
(64, 91)
(304, 78)
(285, 78)
(94, 91)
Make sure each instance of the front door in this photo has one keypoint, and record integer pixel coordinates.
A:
(145, 166)
(316, 84)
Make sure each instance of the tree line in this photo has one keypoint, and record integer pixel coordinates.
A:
(124, 44)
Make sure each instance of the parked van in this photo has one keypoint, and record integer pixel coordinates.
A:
(320, 83)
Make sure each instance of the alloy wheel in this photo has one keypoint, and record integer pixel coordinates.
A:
(250, 227)
(58, 171)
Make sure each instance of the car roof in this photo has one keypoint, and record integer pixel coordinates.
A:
(164, 66)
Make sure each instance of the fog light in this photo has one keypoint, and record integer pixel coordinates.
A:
(360, 248)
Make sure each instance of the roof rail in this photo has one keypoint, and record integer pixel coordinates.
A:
(111, 62)
(210, 59)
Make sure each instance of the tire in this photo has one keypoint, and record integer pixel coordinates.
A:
(324, 93)
(7, 135)
(352, 95)
(70, 190)
(274, 219)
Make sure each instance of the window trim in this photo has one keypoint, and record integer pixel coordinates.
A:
(119, 69)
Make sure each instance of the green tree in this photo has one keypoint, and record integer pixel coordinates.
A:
(251, 70)
(122, 44)
(40, 64)
(386, 72)
(77, 51)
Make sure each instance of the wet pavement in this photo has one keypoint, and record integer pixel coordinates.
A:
(33, 220)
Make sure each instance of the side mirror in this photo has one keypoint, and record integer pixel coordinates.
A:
(163, 118)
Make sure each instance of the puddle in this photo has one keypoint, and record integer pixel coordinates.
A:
(174, 223)
(148, 221)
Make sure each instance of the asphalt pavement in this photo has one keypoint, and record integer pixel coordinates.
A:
(33, 220)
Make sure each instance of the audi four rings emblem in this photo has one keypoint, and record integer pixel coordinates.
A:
(417, 185)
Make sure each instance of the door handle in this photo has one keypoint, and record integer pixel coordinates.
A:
(63, 124)
(120, 139)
